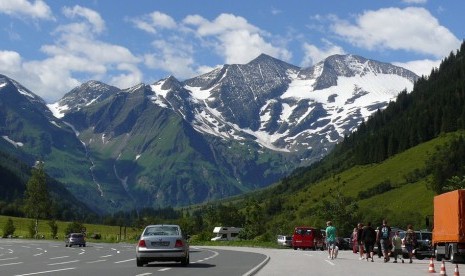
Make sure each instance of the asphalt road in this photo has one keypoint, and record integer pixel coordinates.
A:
(30, 257)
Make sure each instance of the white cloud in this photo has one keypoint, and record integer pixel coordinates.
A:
(155, 20)
(174, 56)
(420, 67)
(313, 54)
(410, 29)
(10, 62)
(39, 9)
(91, 16)
(234, 38)
(76, 53)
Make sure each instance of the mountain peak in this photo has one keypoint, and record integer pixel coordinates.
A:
(263, 59)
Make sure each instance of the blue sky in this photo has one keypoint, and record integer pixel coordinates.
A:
(53, 46)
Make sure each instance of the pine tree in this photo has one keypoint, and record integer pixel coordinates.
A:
(37, 201)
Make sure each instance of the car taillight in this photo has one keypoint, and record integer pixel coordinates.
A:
(179, 243)
(142, 243)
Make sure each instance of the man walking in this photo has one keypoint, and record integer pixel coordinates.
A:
(384, 238)
(331, 239)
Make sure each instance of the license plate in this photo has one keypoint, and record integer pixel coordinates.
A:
(161, 243)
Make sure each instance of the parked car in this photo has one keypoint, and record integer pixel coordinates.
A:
(424, 247)
(343, 243)
(305, 237)
(75, 239)
(284, 240)
(162, 243)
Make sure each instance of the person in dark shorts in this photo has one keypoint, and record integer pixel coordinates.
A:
(384, 238)
(410, 241)
(369, 239)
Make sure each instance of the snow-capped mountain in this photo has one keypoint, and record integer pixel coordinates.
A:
(235, 129)
(283, 107)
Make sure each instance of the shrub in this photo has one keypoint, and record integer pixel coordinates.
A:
(9, 228)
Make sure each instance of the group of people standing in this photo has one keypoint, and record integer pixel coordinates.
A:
(390, 245)
(365, 237)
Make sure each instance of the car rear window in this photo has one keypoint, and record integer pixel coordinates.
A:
(76, 235)
(303, 231)
(162, 231)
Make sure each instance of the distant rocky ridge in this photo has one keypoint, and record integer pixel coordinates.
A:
(232, 130)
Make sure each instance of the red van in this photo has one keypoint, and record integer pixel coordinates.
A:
(308, 237)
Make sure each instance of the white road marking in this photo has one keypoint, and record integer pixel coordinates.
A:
(165, 269)
(144, 274)
(75, 261)
(11, 264)
(106, 256)
(38, 254)
(13, 258)
(44, 272)
(130, 260)
(329, 262)
(62, 257)
(97, 261)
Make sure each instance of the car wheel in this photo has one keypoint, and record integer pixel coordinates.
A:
(66, 245)
(185, 261)
(295, 248)
(84, 245)
(139, 262)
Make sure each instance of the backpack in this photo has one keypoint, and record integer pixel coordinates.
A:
(410, 238)
(384, 232)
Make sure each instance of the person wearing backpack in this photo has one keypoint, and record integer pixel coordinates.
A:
(410, 241)
(384, 238)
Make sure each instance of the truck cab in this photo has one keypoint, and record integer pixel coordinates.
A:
(449, 226)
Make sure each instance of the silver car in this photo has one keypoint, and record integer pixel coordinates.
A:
(75, 239)
(162, 243)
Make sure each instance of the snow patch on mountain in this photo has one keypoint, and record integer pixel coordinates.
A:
(14, 143)
(58, 110)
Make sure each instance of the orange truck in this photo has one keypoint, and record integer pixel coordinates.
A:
(449, 226)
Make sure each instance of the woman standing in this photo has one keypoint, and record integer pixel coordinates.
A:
(359, 240)
(355, 241)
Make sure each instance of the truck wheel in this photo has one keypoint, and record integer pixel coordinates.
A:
(295, 248)
(453, 258)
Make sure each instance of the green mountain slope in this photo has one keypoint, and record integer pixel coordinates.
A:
(14, 175)
(389, 168)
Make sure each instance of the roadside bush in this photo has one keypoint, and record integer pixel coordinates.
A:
(9, 228)
(53, 228)
(96, 236)
(74, 227)
(31, 229)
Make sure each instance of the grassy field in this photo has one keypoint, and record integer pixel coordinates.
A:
(108, 233)
(112, 234)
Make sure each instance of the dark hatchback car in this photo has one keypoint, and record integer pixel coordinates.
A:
(75, 239)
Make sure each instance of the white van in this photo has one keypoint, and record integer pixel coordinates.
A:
(226, 233)
(284, 240)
